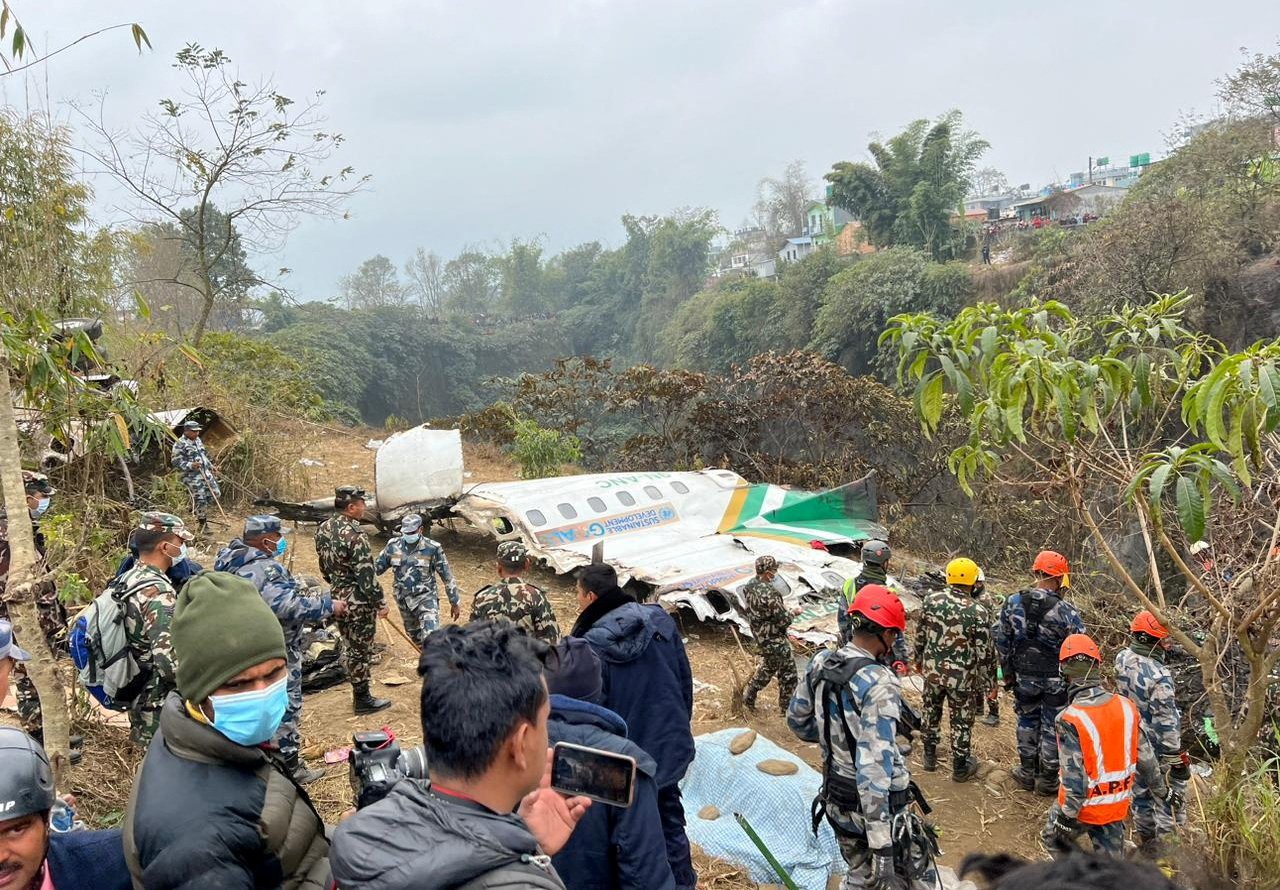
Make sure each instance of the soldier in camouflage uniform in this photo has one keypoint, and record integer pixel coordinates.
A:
(850, 704)
(147, 598)
(769, 620)
(256, 557)
(192, 460)
(1095, 792)
(347, 564)
(989, 696)
(417, 560)
(956, 658)
(523, 604)
(1142, 676)
(1028, 635)
(52, 613)
(875, 557)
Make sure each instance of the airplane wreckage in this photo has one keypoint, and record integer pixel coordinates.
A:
(687, 539)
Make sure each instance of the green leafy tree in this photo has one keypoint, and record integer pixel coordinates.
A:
(257, 156)
(1147, 431)
(858, 302)
(915, 185)
(542, 452)
(374, 285)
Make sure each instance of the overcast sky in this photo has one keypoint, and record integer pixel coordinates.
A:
(482, 121)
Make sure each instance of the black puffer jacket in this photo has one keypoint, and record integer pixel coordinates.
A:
(414, 839)
(207, 813)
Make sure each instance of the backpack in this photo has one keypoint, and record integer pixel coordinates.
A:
(99, 644)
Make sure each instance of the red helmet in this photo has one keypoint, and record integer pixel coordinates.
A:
(1079, 644)
(880, 605)
(1051, 563)
(1145, 623)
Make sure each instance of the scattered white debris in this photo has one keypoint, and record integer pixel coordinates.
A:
(466, 475)
(699, 686)
(374, 444)
(308, 462)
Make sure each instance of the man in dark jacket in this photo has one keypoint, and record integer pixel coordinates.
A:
(30, 851)
(648, 683)
(484, 724)
(613, 848)
(213, 805)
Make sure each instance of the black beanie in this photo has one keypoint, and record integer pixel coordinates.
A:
(221, 626)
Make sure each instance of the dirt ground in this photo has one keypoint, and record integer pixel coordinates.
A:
(982, 815)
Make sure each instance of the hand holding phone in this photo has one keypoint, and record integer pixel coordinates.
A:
(590, 772)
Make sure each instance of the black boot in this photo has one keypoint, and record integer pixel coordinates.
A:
(929, 762)
(297, 768)
(1047, 784)
(365, 703)
(1024, 774)
(963, 768)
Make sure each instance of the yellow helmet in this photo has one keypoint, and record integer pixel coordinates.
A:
(962, 571)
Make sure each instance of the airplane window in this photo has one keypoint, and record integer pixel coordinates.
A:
(680, 487)
(625, 498)
(653, 492)
(537, 517)
(833, 579)
(567, 511)
(597, 504)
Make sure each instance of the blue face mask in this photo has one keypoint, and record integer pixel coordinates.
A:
(250, 718)
(41, 507)
(281, 546)
(411, 539)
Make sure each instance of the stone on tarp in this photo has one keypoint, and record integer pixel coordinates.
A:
(742, 742)
(709, 813)
(778, 767)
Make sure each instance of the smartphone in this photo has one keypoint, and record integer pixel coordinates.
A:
(589, 772)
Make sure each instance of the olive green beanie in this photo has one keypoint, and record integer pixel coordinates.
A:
(221, 626)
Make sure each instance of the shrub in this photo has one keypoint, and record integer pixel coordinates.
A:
(543, 452)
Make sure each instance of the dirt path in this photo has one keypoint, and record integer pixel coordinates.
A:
(971, 817)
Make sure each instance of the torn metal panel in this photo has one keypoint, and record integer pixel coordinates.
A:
(217, 433)
(691, 537)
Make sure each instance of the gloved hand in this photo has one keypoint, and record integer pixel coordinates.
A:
(1065, 828)
(1173, 797)
(883, 875)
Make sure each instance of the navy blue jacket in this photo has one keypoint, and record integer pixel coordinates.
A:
(648, 683)
(612, 848)
(88, 860)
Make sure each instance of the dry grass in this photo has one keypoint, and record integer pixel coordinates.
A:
(716, 874)
(102, 780)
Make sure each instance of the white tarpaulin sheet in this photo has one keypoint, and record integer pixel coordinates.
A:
(777, 807)
(418, 466)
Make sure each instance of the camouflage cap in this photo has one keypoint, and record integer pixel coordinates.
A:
(164, 522)
(37, 483)
(766, 564)
(410, 523)
(513, 553)
(346, 494)
(192, 425)
(263, 524)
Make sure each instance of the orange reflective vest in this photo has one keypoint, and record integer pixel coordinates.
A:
(1108, 735)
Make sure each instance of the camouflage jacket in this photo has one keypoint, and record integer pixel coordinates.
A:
(147, 599)
(1073, 776)
(766, 613)
(1035, 654)
(53, 614)
(286, 596)
(190, 457)
(953, 641)
(871, 704)
(519, 602)
(416, 567)
(347, 563)
(1148, 683)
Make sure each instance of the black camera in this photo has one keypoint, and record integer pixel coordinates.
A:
(377, 763)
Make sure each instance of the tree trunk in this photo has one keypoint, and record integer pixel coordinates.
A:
(24, 573)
